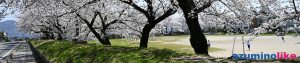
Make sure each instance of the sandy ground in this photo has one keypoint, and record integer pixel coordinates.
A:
(265, 44)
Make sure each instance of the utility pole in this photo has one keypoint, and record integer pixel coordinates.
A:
(233, 45)
(243, 44)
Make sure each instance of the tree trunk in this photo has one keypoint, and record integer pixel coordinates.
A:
(103, 40)
(106, 40)
(197, 38)
(47, 35)
(97, 35)
(59, 37)
(171, 31)
(152, 20)
(296, 11)
(106, 37)
(145, 35)
(77, 30)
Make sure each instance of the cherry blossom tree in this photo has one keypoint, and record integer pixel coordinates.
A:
(191, 10)
(155, 11)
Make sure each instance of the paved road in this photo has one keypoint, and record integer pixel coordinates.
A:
(20, 54)
(23, 54)
(6, 47)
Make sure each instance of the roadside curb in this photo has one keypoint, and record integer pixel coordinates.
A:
(37, 54)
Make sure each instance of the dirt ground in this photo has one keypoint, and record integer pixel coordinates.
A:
(265, 44)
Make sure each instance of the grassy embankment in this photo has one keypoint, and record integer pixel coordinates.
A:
(122, 50)
(65, 51)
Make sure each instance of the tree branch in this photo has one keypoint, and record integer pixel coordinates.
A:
(130, 2)
(206, 5)
(165, 15)
(81, 18)
(74, 10)
(93, 19)
(131, 27)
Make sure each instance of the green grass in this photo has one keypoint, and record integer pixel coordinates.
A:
(158, 42)
(65, 51)
(168, 38)
(36, 42)
(39, 42)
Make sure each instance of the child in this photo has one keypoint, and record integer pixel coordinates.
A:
(208, 43)
(248, 44)
(282, 38)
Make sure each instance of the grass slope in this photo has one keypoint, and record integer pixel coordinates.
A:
(65, 51)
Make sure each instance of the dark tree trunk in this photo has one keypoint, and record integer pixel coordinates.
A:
(50, 35)
(103, 40)
(97, 35)
(59, 37)
(105, 36)
(106, 40)
(197, 38)
(171, 31)
(47, 35)
(77, 32)
(166, 30)
(145, 35)
(152, 20)
(60, 31)
(296, 11)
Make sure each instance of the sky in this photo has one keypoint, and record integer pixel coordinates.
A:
(10, 17)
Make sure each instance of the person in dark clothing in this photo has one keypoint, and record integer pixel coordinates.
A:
(282, 38)
(208, 43)
(248, 44)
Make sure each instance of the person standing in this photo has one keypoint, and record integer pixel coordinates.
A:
(208, 43)
(281, 34)
(282, 38)
(248, 44)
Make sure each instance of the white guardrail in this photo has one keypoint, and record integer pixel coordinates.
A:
(9, 52)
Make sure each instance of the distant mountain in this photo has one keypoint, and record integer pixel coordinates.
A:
(10, 27)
